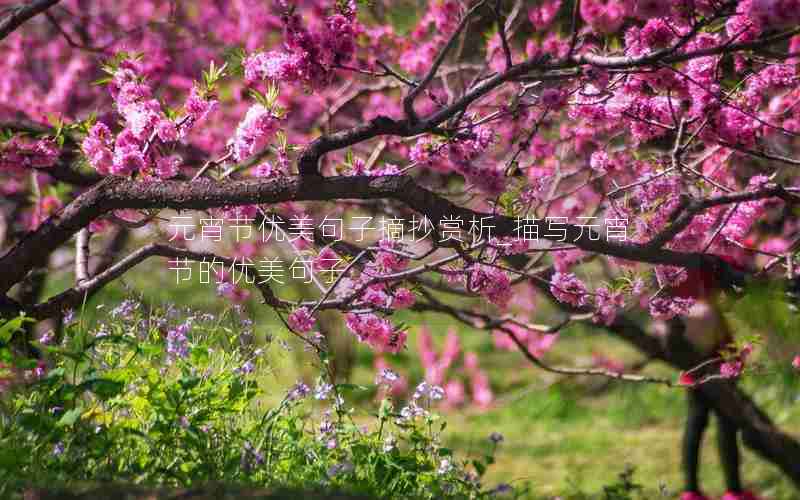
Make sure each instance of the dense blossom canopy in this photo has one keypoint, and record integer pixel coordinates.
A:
(678, 119)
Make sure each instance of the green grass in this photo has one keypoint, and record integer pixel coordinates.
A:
(563, 436)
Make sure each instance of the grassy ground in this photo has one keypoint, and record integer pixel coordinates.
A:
(566, 437)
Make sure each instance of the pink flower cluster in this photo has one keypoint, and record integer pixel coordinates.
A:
(490, 282)
(567, 288)
(607, 304)
(377, 332)
(309, 56)
(130, 151)
(733, 366)
(254, 132)
(389, 258)
(301, 320)
(668, 307)
(462, 155)
(437, 367)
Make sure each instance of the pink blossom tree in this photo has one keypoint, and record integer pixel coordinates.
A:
(517, 143)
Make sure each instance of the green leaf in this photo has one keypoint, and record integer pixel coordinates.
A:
(352, 387)
(8, 328)
(70, 417)
(188, 383)
(104, 388)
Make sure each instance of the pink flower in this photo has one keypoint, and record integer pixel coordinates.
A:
(403, 298)
(607, 303)
(376, 297)
(645, 9)
(554, 98)
(378, 332)
(326, 260)
(604, 16)
(266, 169)
(667, 308)
(167, 131)
(490, 282)
(451, 350)
(482, 394)
(97, 148)
(127, 161)
(301, 320)
(740, 495)
(454, 393)
(686, 379)
(796, 362)
(731, 369)
(168, 167)
(542, 16)
(567, 288)
(276, 66)
(254, 132)
(198, 106)
(44, 153)
(657, 33)
(599, 162)
(771, 13)
(536, 343)
(427, 355)
(388, 259)
(310, 56)
(693, 495)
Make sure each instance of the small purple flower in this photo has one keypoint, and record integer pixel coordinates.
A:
(326, 427)
(322, 391)
(386, 376)
(225, 288)
(47, 338)
(298, 392)
(102, 331)
(411, 411)
(125, 309)
(247, 368)
(340, 468)
(177, 342)
(58, 449)
(502, 489)
(69, 316)
(421, 390)
(436, 393)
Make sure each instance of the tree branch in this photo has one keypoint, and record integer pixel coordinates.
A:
(73, 297)
(115, 193)
(20, 14)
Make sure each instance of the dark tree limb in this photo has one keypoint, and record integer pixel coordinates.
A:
(20, 14)
(116, 193)
(75, 296)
